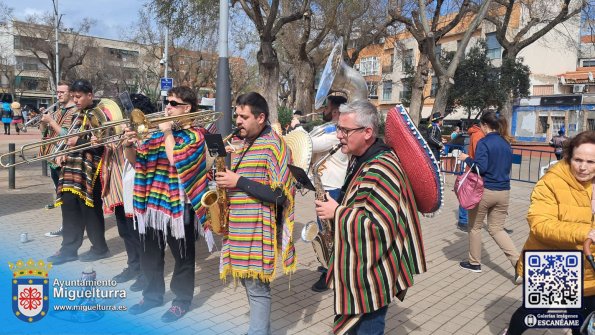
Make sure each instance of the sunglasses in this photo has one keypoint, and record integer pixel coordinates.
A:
(174, 103)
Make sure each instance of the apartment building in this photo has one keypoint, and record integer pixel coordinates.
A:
(384, 65)
(111, 65)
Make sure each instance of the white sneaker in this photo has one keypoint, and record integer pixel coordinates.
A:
(55, 233)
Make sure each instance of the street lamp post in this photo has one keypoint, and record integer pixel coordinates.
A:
(223, 92)
(56, 24)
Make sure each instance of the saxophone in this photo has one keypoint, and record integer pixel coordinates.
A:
(216, 201)
(323, 240)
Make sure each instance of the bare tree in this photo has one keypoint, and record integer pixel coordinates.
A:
(427, 32)
(9, 72)
(36, 35)
(543, 16)
(301, 43)
(269, 18)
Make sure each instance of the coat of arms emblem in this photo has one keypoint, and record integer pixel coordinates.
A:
(30, 289)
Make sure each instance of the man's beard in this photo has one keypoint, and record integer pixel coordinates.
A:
(327, 117)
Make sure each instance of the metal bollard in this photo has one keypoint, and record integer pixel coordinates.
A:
(44, 168)
(11, 170)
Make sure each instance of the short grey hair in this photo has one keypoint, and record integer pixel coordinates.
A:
(366, 114)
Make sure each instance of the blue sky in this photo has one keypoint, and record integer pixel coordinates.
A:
(112, 17)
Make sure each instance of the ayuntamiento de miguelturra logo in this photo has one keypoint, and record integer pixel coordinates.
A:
(30, 289)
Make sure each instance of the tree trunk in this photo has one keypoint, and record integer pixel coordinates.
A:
(268, 68)
(417, 88)
(441, 96)
(506, 111)
(304, 97)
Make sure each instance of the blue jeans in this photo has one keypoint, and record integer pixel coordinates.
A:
(370, 323)
(462, 216)
(259, 298)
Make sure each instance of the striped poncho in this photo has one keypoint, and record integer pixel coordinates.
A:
(160, 189)
(250, 249)
(378, 244)
(80, 170)
(112, 170)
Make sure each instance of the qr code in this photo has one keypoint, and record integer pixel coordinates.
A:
(553, 279)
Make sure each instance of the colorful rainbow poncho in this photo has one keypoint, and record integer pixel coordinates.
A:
(160, 189)
(250, 250)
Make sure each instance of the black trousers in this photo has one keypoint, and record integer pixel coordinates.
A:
(76, 216)
(55, 174)
(517, 322)
(130, 236)
(183, 251)
(7, 128)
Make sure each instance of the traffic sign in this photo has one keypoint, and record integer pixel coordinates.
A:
(167, 84)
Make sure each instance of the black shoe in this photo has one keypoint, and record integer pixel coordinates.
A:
(468, 266)
(508, 231)
(320, 285)
(139, 284)
(143, 306)
(60, 258)
(50, 206)
(463, 227)
(126, 275)
(174, 313)
(91, 256)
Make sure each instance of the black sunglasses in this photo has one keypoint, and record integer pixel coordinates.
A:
(174, 103)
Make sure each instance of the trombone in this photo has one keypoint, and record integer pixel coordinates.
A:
(36, 120)
(104, 131)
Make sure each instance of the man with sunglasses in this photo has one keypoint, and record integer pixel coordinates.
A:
(79, 190)
(378, 234)
(169, 183)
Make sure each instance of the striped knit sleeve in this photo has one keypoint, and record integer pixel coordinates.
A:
(191, 165)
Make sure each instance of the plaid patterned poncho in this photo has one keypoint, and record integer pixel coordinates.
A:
(250, 250)
(80, 170)
(160, 189)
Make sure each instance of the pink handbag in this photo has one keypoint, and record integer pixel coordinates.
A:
(469, 188)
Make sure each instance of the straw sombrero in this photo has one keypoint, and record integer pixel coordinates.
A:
(300, 144)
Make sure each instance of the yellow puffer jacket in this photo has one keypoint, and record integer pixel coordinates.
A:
(560, 217)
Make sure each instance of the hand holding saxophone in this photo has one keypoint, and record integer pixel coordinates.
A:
(227, 179)
(326, 209)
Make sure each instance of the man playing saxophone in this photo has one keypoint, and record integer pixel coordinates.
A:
(332, 172)
(260, 190)
(377, 228)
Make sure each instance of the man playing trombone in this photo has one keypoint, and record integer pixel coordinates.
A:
(79, 191)
(57, 124)
(169, 183)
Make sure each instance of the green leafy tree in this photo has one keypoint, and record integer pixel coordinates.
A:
(479, 84)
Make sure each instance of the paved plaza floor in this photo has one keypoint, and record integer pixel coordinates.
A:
(444, 300)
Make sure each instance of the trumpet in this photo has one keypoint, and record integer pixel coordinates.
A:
(105, 133)
(35, 121)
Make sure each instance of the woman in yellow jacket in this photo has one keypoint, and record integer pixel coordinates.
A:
(561, 216)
